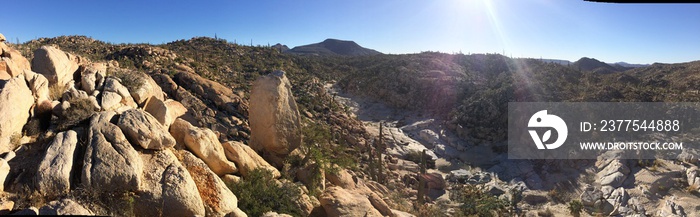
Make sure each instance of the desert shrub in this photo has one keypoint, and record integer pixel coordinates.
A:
(476, 202)
(415, 157)
(575, 207)
(56, 91)
(80, 109)
(257, 193)
(556, 195)
(130, 79)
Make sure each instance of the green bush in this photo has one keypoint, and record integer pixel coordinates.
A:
(575, 207)
(476, 202)
(257, 193)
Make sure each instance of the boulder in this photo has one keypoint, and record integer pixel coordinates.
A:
(4, 75)
(164, 111)
(671, 209)
(167, 188)
(12, 67)
(379, 204)
(148, 89)
(590, 195)
(12, 62)
(144, 130)
(274, 117)
(38, 84)
(180, 195)
(204, 144)
(110, 101)
(54, 173)
(247, 159)
(64, 207)
(92, 77)
(340, 202)
(342, 178)
(16, 100)
(113, 85)
(110, 160)
(72, 94)
(217, 198)
(429, 136)
(618, 199)
(57, 66)
(433, 181)
(2, 38)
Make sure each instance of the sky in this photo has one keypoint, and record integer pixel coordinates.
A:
(550, 29)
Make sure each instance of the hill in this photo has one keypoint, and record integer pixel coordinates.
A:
(333, 47)
(592, 64)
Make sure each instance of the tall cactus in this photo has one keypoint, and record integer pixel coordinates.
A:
(421, 180)
(381, 147)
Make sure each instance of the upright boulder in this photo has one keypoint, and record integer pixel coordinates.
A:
(110, 160)
(54, 173)
(15, 102)
(38, 84)
(56, 65)
(274, 117)
(144, 130)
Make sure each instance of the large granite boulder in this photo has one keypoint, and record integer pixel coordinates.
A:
(54, 64)
(274, 117)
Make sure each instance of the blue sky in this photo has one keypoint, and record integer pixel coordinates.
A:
(556, 29)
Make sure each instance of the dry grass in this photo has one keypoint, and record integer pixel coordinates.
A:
(56, 91)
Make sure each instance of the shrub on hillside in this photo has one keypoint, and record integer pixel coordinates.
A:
(476, 202)
(80, 109)
(257, 194)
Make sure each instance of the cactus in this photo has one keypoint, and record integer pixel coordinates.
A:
(421, 180)
(381, 147)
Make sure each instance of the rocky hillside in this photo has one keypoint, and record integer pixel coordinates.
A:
(168, 141)
(211, 128)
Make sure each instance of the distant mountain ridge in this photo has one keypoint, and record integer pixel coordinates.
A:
(333, 47)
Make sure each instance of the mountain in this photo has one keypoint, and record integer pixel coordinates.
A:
(592, 64)
(333, 47)
(280, 47)
(561, 62)
(630, 65)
